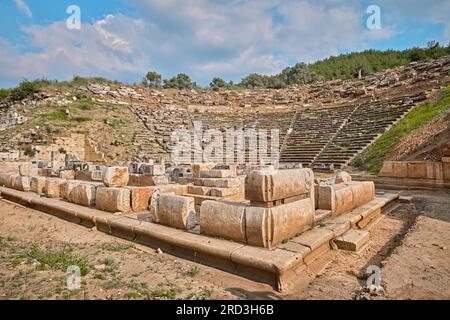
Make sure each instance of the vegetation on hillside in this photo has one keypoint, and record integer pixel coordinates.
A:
(345, 66)
(372, 158)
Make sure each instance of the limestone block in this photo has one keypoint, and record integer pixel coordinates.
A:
(152, 169)
(218, 182)
(139, 180)
(67, 187)
(21, 183)
(115, 176)
(267, 227)
(176, 211)
(343, 177)
(37, 185)
(196, 168)
(140, 198)
(223, 219)
(28, 170)
(363, 192)
(67, 174)
(96, 175)
(445, 159)
(53, 187)
(5, 179)
(446, 171)
(83, 175)
(394, 169)
(83, 194)
(217, 173)
(352, 240)
(113, 199)
(268, 185)
(326, 197)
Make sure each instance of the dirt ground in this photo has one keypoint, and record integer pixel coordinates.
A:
(410, 245)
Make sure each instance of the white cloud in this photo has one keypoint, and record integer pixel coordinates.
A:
(23, 7)
(204, 38)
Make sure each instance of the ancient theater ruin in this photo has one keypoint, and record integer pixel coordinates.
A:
(270, 222)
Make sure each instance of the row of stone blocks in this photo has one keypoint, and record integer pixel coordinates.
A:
(113, 195)
(439, 171)
(281, 206)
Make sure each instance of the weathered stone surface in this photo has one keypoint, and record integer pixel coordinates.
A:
(314, 238)
(267, 185)
(67, 174)
(5, 179)
(21, 183)
(352, 240)
(113, 199)
(196, 168)
(176, 211)
(140, 198)
(223, 219)
(212, 191)
(152, 169)
(344, 197)
(445, 159)
(37, 185)
(217, 182)
(83, 175)
(139, 180)
(363, 192)
(28, 169)
(425, 170)
(53, 187)
(67, 187)
(343, 177)
(267, 227)
(394, 169)
(216, 173)
(115, 176)
(83, 194)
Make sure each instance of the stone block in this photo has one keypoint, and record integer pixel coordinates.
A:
(6, 180)
(113, 199)
(314, 238)
(28, 169)
(37, 185)
(363, 192)
(83, 175)
(196, 168)
(152, 169)
(446, 171)
(343, 177)
(267, 227)
(53, 187)
(268, 185)
(217, 173)
(67, 174)
(21, 183)
(139, 180)
(445, 159)
(83, 194)
(176, 211)
(352, 240)
(394, 169)
(140, 198)
(218, 183)
(115, 176)
(223, 219)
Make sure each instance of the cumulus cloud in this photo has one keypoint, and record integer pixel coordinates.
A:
(22, 6)
(205, 38)
(96, 49)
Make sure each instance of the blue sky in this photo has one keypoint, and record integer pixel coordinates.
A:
(122, 39)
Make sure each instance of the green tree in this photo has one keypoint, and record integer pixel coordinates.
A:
(180, 81)
(218, 83)
(153, 79)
